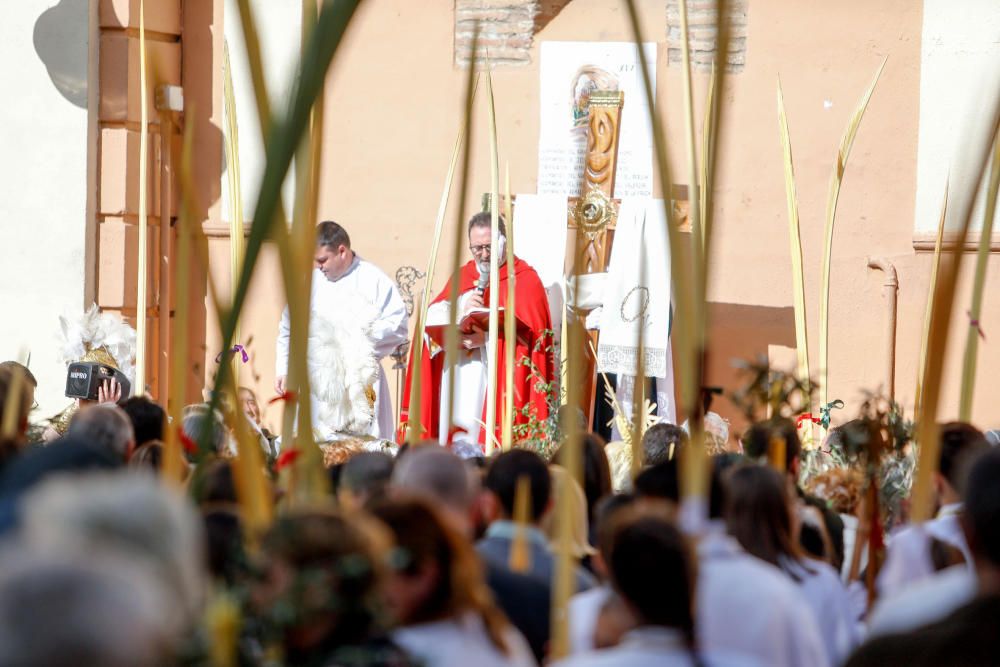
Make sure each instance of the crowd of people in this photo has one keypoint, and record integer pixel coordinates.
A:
(420, 556)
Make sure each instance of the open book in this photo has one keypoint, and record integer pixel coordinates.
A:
(477, 319)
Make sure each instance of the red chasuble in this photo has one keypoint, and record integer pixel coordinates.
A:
(534, 341)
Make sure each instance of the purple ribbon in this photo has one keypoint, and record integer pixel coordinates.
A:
(236, 348)
(974, 323)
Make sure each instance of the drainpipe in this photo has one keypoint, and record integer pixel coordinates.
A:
(889, 289)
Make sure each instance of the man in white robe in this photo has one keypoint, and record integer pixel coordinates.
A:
(908, 551)
(342, 277)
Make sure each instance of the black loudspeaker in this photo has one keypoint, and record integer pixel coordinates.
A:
(84, 378)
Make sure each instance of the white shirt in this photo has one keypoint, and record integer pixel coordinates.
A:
(908, 552)
(924, 602)
(651, 646)
(834, 611)
(584, 609)
(748, 607)
(365, 280)
(462, 642)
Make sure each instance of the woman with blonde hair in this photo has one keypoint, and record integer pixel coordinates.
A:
(436, 593)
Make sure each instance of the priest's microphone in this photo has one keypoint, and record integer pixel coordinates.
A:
(484, 280)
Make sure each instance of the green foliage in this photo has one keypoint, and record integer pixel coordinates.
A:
(768, 392)
(878, 443)
(540, 434)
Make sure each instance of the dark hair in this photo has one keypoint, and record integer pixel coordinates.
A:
(333, 475)
(507, 468)
(659, 481)
(217, 483)
(10, 446)
(332, 235)
(981, 517)
(717, 488)
(485, 219)
(834, 527)
(959, 441)
(148, 456)
(224, 544)
(367, 473)
(653, 569)
(757, 439)
(147, 419)
(657, 441)
(607, 514)
(28, 375)
(423, 537)
(596, 470)
(334, 560)
(758, 515)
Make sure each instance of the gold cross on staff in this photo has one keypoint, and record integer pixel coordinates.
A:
(591, 217)
(595, 213)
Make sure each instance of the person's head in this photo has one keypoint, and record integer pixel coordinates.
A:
(147, 457)
(13, 443)
(717, 487)
(652, 569)
(148, 419)
(436, 474)
(501, 483)
(216, 484)
(135, 517)
(981, 519)
(662, 442)
(759, 438)
(716, 433)
(480, 233)
(106, 427)
(196, 419)
(596, 470)
(327, 567)
(609, 509)
(364, 479)
(659, 481)
(225, 556)
(819, 530)
(29, 383)
(57, 609)
(435, 572)
(759, 515)
(333, 250)
(248, 404)
(959, 442)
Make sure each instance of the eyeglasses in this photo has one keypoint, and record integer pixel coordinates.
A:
(479, 249)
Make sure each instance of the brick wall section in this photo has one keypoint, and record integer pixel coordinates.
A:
(702, 32)
(507, 29)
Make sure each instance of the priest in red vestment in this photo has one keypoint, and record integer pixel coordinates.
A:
(533, 352)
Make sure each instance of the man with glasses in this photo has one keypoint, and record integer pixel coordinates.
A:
(534, 368)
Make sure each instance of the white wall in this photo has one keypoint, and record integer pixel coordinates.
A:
(43, 171)
(959, 63)
(278, 29)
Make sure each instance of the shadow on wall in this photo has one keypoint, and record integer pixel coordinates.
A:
(743, 332)
(60, 39)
